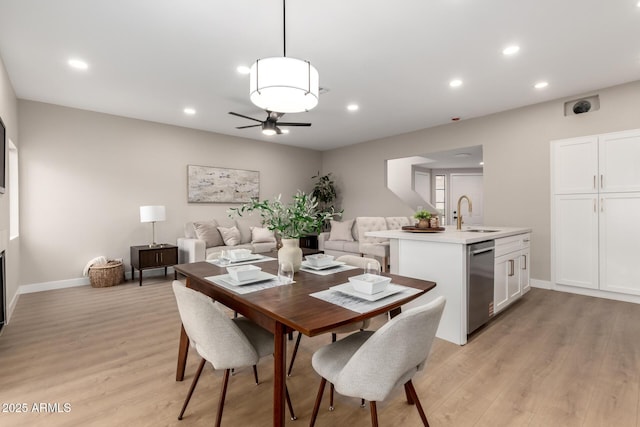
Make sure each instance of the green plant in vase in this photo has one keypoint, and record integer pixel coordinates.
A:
(289, 221)
(423, 218)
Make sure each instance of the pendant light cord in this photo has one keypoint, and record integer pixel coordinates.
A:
(284, 27)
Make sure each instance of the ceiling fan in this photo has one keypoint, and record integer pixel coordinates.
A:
(270, 126)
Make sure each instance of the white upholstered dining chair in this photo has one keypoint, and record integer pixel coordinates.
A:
(224, 342)
(369, 365)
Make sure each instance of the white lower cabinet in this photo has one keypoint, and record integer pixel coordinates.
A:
(619, 249)
(511, 270)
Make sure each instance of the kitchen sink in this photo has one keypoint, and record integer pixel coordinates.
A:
(480, 230)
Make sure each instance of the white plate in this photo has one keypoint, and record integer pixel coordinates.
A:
(253, 257)
(347, 288)
(307, 264)
(260, 277)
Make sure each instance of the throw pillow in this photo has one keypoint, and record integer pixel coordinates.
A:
(262, 235)
(231, 236)
(341, 230)
(208, 231)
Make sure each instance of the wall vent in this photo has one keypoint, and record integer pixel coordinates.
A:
(582, 105)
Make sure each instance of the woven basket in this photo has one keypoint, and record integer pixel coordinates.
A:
(105, 275)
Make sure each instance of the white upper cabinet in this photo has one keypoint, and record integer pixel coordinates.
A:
(619, 162)
(574, 165)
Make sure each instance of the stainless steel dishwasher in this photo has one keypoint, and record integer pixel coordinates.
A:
(480, 266)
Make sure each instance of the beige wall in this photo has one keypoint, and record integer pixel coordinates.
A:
(9, 114)
(516, 161)
(84, 176)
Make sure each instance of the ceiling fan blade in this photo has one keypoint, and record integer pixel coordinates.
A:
(244, 117)
(249, 126)
(293, 124)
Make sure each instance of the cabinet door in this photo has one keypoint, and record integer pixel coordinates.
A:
(619, 248)
(501, 280)
(619, 162)
(513, 277)
(575, 241)
(574, 165)
(149, 258)
(525, 272)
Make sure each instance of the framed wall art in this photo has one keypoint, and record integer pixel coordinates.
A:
(206, 184)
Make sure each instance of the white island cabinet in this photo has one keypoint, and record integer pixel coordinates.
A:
(442, 258)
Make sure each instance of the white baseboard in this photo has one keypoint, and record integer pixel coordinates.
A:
(80, 281)
(596, 293)
(542, 284)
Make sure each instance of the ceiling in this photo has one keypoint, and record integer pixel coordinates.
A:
(149, 59)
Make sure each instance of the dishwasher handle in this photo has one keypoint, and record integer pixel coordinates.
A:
(481, 251)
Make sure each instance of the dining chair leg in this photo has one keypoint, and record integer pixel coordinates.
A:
(193, 387)
(316, 406)
(374, 414)
(223, 394)
(414, 396)
(295, 352)
(408, 394)
(334, 337)
(255, 374)
(288, 398)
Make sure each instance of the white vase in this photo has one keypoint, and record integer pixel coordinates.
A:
(290, 251)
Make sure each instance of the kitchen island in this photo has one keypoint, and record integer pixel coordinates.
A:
(442, 257)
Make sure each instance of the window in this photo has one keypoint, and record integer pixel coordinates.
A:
(14, 201)
(441, 196)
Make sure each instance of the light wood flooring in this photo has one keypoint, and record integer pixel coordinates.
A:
(552, 359)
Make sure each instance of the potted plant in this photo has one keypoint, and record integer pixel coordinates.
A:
(423, 218)
(289, 221)
(324, 191)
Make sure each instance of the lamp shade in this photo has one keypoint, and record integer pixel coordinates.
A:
(284, 85)
(152, 213)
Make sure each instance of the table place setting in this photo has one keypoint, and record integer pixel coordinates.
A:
(247, 278)
(365, 292)
(238, 257)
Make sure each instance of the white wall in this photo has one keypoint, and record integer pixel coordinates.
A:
(9, 114)
(85, 174)
(516, 161)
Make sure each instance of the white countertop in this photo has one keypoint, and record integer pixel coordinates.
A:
(451, 235)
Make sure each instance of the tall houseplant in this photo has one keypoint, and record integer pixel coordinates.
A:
(324, 190)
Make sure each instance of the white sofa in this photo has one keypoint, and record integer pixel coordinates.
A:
(358, 243)
(203, 241)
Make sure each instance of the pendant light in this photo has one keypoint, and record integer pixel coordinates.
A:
(282, 84)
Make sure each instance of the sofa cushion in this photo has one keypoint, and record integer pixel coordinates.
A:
(397, 222)
(341, 230)
(260, 248)
(342, 246)
(208, 231)
(370, 223)
(231, 236)
(214, 253)
(244, 226)
(262, 235)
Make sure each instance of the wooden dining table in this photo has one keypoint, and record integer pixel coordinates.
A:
(286, 308)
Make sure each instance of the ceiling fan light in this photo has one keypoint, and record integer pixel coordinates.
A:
(269, 128)
(285, 85)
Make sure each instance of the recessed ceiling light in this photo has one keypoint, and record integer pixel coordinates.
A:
(190, 111)
(243, 69)
(353, 107)
(455, 83)
(78, 64)
(481, 163)
(541, 85)
(510, 50)
(284, 130)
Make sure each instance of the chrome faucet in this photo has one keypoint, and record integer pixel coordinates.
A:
(459, 223)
